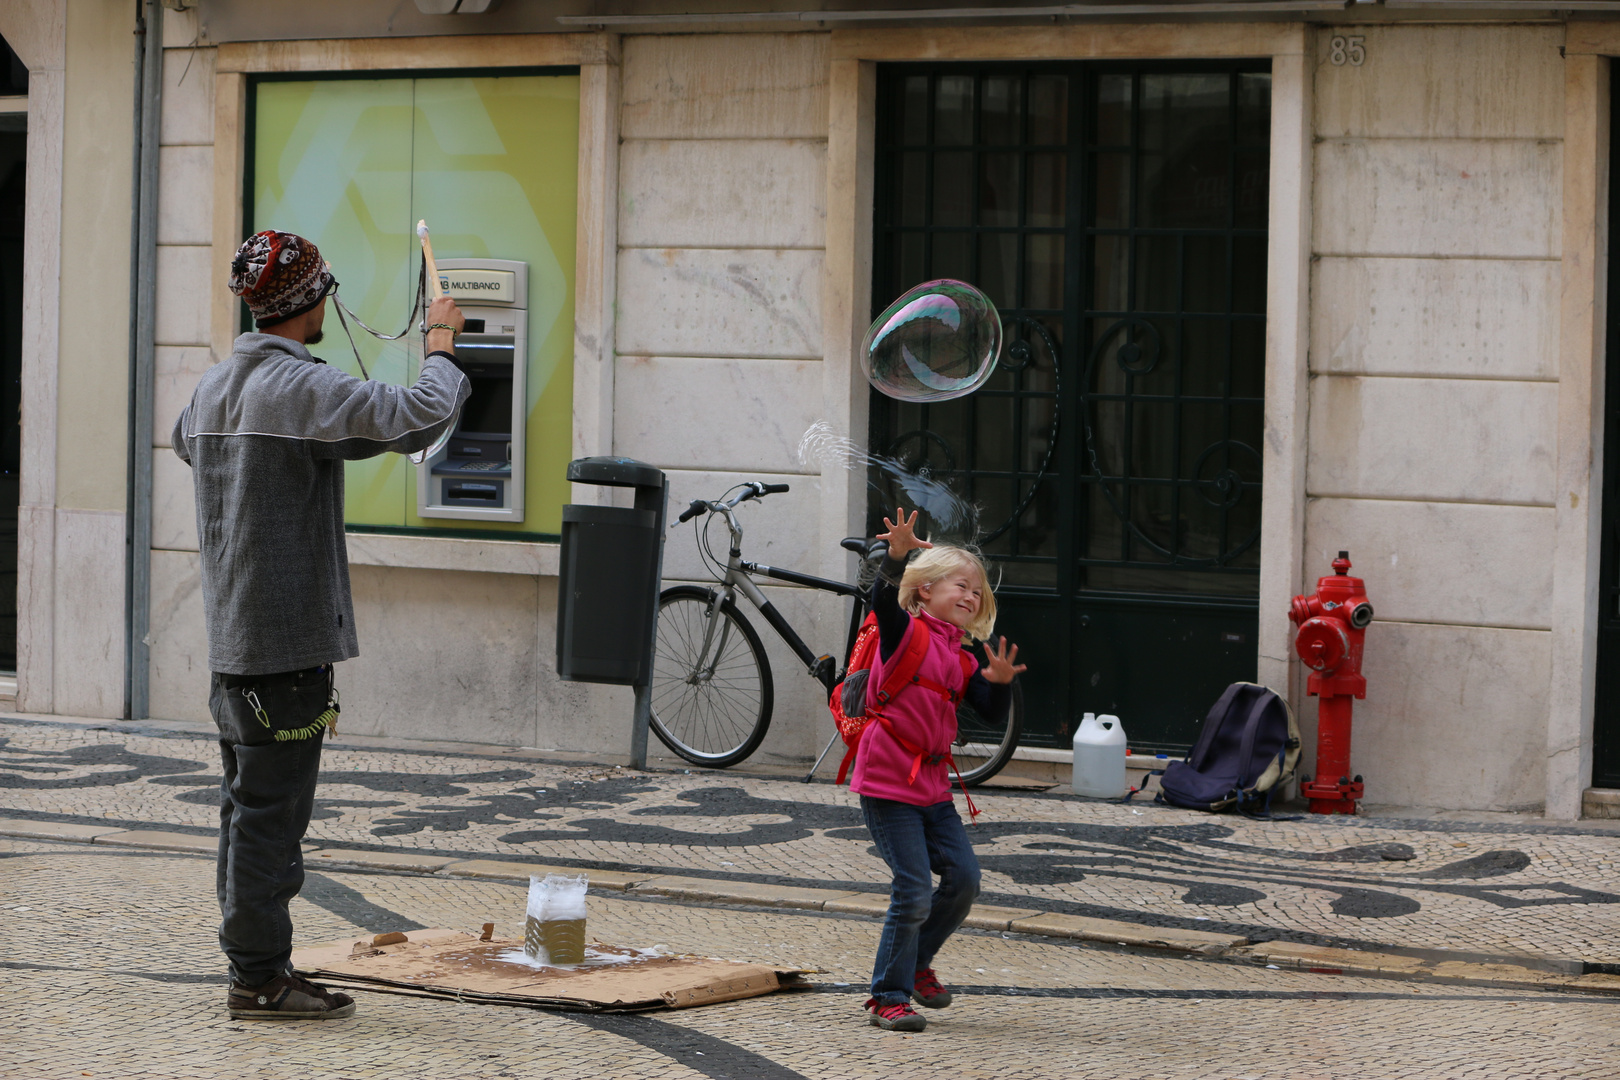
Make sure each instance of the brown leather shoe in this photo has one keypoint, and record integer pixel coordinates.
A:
(287, 997)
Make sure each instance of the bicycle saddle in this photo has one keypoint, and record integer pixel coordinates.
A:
(863, 546)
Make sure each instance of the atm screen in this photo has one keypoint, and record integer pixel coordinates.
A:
(489, 410)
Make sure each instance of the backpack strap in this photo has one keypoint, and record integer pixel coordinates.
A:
(953, 696)
(849, 759)
(1251, 727)
(933, 759)
(1135, 791)
(902, 668)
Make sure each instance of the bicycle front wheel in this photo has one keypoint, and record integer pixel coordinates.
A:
(711, 705)
(983, 747)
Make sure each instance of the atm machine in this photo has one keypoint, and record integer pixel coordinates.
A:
(477, 473)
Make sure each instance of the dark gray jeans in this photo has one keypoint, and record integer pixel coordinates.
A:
(264, 807)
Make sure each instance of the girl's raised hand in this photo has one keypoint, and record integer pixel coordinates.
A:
(901, 536)
(1001, 666)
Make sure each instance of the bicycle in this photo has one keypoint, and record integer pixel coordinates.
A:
(712, 689)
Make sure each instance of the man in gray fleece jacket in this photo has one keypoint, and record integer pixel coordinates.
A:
(266, 434)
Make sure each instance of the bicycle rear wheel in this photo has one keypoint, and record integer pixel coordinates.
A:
(983, 747)
(712, 709)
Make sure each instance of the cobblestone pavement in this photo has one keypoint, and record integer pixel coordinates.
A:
(111, 971)
(1514, 889)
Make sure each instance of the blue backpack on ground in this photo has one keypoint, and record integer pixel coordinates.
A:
(1248, 749)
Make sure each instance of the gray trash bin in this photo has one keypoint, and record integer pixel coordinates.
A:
(607, 594)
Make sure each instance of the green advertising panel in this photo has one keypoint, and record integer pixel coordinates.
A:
(491, 165)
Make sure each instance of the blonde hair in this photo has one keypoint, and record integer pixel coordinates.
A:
(935, 564)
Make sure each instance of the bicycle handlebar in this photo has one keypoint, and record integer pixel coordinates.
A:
(753, 489)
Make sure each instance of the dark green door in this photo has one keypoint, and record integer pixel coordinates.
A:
(1116, 214)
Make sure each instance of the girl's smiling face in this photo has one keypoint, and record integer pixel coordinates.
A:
(955, 598)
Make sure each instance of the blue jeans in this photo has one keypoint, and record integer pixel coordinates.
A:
(918, 842)
(265, 802)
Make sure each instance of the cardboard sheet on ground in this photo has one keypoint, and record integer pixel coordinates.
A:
(451, 964)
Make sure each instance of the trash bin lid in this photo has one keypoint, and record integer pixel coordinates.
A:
(615, 472)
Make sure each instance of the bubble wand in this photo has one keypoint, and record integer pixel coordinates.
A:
(435, 290)
(435, 286)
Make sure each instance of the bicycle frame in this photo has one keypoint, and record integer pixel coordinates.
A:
(700, 660)
(823, 668)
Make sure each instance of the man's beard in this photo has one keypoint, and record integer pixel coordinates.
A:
(315, 338)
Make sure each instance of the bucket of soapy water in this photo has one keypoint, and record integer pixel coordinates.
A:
(1099, 757)
(554, 932)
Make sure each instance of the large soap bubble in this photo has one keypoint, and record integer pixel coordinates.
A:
(939, 341)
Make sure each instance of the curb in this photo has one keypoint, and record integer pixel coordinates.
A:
(1272, 954)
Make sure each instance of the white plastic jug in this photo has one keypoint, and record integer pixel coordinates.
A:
(1099, 757)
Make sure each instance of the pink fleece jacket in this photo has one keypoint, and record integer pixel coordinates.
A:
(921, 716)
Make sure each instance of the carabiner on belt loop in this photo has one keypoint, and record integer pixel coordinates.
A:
(258, 710)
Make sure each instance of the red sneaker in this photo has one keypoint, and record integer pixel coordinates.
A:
(928, 991)
(899, 1017)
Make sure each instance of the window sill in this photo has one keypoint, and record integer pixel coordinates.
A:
(537, 559)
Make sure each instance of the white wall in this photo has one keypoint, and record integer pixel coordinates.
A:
(185, 287)
(1433, 398)
(722, 226)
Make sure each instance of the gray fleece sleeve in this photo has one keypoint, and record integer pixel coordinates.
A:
(178, 439)
(361, 419)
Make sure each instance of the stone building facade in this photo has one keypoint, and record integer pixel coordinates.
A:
(1436, 267)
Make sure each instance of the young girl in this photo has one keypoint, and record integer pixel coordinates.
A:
(900, 771)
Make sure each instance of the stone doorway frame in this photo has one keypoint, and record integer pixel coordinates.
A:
(852, 92)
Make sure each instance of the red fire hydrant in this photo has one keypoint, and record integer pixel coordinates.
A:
(1332, 624)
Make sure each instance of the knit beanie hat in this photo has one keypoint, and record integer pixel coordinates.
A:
(280, 275)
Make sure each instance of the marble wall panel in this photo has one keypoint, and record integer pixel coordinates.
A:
(715, 414)
(715, 302)
(188, 96)
(89, 638)
(1491, 318)
(742, 193)
(1443, 81)
(1499, 198)
(176, 372)
(185, 194)
(1471, 699)
(174, 503)
(1440, 562)
(738, 86)
(184, 292)
(778, 530)
(179, 639)
(1475, 440)
(443, 655)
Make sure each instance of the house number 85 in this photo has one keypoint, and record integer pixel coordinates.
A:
(1347, 50)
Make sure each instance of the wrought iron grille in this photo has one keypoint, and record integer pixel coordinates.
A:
(1175, 204)
(1116, 214)
(1117, 217)
(974, 175)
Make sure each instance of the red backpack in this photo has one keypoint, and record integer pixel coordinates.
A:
(848, 702)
